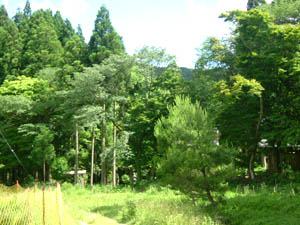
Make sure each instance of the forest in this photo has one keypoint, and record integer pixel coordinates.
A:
(70, 105)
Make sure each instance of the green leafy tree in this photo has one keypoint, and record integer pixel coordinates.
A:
(241, 126)
(268, 53)
(216, 62)
(117, 71)
(284, 11)
(192, 161)
(43, 152)
(84, 104)
(24, 101)
(216, 59)
(152, 91)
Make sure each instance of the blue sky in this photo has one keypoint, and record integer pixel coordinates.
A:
(180, 26)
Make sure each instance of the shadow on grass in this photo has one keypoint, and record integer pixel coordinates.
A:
(112, 211)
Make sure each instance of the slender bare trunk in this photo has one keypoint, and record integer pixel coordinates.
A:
(95, 180)
(251, 166)
(208, 192)
(44, 171)
(103, 158)
(114, 181)
(36, 176)
(92, 157)
(76, 156)
(49, 173)
(252, 157)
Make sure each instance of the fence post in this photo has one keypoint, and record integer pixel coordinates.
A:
(28, 205)
(44, 210)
(18, 187)
(58, 203)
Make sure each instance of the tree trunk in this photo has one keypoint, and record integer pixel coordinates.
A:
(103, 158)
(44, 171)
(36, 176)
(138, 171)
(114, 181)
(96, 171)
(76, 155)
(251, 166)
(49, 173)
(208, 193)
(138, 168)
(92, 157)
(252, 157)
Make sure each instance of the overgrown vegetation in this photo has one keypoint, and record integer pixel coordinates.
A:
(228, 132)
(154, 205)
(243, 204)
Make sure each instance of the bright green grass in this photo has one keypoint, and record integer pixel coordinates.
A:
(153, 206)
(243, 206)
(262, 206)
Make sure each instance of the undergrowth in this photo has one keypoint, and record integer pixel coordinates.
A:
(257, 204)
(155, 205)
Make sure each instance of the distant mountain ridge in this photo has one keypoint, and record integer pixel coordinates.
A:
(186, 72)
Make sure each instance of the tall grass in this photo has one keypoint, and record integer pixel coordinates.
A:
(261, 204)
(155, 205)
(243, 205)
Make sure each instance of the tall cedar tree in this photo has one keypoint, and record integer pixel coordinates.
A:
(27, 9)
(254, 3)
(64, 29)
(10, 46)
(42, 46)
(105, 40)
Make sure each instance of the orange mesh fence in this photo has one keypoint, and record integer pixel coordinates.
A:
(19, 206)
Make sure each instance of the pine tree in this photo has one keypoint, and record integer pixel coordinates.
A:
(192, 162)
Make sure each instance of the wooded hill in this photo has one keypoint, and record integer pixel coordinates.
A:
(68, 104)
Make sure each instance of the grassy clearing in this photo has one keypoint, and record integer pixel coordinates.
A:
(153, 206)
(243, 206)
